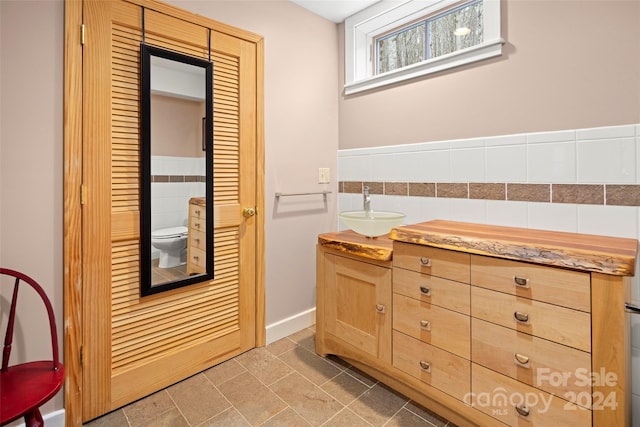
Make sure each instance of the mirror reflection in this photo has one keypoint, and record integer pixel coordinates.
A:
(175, 236)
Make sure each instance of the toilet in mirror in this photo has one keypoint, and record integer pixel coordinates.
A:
(176, 165)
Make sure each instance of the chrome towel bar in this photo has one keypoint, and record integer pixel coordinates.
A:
(324, 194)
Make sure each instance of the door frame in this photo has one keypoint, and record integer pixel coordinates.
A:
(73, 190)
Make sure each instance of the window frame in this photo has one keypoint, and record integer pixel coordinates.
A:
(362, 28)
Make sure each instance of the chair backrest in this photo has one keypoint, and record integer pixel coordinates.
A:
(8, 340)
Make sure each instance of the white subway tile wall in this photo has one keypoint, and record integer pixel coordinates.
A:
(170, 200)
(596, 156)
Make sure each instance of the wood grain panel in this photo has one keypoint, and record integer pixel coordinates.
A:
(447, 329)
(495, 347)
(446, 371)
(586, 252)
(125, 122)
(153, 328)
(559, 324)
(497, 395)
(72, 228)
(96, 211)
(352, 243)
(431, 289)
(436, 262)
(176, 31)
(226, 125)
(133, 346)
(145, 329)
(611, 363)
(360, 304)
(556, 286)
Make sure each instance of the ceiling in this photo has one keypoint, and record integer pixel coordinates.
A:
(335, 10)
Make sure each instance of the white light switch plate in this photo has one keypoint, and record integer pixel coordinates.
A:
(324, 176)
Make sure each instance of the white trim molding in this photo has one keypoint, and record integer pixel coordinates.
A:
(285, 327)
(362, 28)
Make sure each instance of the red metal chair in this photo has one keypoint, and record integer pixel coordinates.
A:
(26, 386)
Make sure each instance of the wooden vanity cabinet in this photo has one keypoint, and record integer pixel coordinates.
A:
(355, 303)
(485, 325)
(197, 240)
(371, 314)
(549, 334)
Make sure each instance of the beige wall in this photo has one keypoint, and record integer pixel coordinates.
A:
(301, 135)
(566, 65)
(31, 113)
(176, 127)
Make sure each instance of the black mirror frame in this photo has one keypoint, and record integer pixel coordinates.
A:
(146, 52)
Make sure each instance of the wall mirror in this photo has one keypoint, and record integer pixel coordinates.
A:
(176, 218)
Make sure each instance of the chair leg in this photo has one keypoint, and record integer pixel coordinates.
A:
(33, 418)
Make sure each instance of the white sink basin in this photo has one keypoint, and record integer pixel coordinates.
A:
(371, 224)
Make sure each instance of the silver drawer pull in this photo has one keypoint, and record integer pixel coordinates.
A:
(522, 410)
(521, 281)
(425, 262)
(521, 317)
(425, 366)
(425, 291)
(425, 324)
(380, 308)
(521, 360)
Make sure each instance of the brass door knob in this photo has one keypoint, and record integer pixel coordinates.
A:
(247, 212)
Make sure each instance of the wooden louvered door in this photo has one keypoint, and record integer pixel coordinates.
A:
(133, 346)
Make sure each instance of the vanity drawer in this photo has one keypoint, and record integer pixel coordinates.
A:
(431, 365)
(197, 239)
(558, 324)
(435, 290)
(431, 324)
(198, 224)
(197, 260)
(555, 368)
(436, 262)
(197, 211)
(553, 285)
(502, 398)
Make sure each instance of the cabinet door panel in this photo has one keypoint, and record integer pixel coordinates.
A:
(358, 304)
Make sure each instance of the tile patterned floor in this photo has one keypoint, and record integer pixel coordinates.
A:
(283, 384)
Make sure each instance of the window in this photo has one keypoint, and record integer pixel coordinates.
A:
(391, 42)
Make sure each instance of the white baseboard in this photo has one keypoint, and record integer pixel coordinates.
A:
(285, 327)
(52, 419)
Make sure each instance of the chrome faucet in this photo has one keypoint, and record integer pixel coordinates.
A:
(367, 199)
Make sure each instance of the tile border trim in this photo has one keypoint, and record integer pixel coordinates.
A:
(178, 178)
(581, 194)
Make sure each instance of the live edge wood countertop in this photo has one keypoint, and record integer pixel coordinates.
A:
(350, 242)
(586, 252)
(608, 255)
